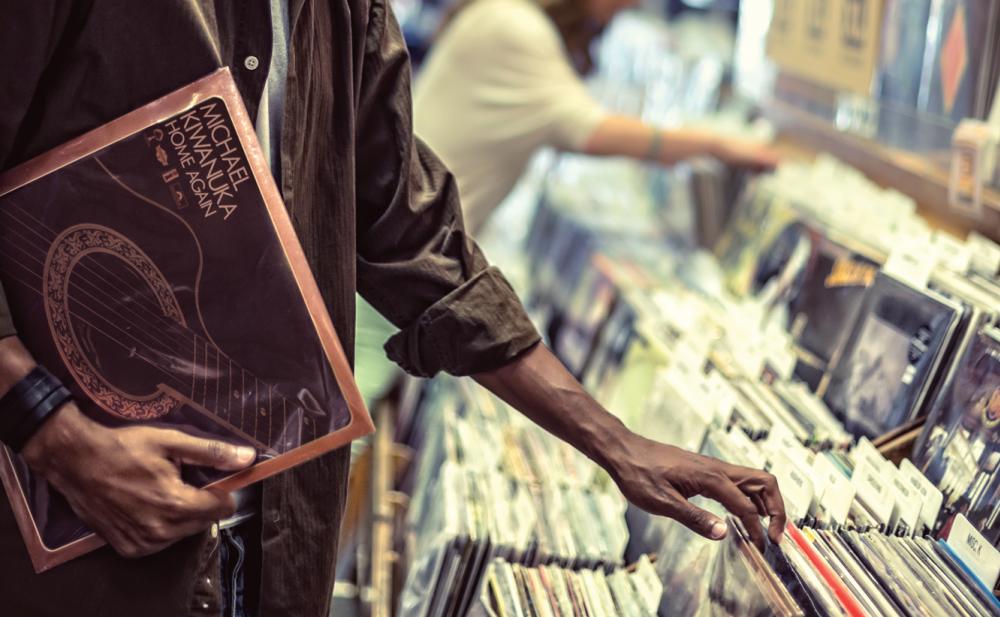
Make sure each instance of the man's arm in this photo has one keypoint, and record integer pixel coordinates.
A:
(418, 267)
(625, 136)
(656, 477)
(544, 94)
(415, 262)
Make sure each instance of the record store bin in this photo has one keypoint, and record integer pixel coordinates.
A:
(835, 322)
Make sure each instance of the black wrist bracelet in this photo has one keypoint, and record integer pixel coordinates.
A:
(26, 406)
(34, 420)
(13, 404)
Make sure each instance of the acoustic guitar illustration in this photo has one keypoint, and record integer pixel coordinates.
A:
(135, 349)
(69, 248)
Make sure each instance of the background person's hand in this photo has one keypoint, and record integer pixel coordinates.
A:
(660, 479)
(125, 483)
(748, 154)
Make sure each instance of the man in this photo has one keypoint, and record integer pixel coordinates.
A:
(373, 208)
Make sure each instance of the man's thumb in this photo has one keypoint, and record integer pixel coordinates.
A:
(701, 521)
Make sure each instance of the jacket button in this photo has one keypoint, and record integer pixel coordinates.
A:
(251, 63)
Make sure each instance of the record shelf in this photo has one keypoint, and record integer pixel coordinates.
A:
(371, 561)
(802, 134)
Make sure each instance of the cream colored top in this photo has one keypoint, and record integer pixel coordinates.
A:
(498, 86)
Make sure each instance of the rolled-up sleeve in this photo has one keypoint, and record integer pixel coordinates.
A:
(416, 264)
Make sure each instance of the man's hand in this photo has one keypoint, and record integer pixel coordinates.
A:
(125, 483)
(748, 154)
(660, 479)
(656, 477)
(627, 136)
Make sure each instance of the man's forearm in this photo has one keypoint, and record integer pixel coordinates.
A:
(65, 427)
(625, 136)
(15, 362)
(538, 385)
(656, 477)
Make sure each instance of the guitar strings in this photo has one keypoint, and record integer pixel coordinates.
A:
(140, 196)
(170, 324)
(266, 444)
(171, 375)
(130, 348)
(98, 300)
(116, 301)
(179, 337)
(155, 314)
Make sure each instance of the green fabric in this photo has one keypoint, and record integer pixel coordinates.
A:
(373, 371)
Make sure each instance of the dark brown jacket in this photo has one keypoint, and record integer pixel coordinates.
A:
(375, 211)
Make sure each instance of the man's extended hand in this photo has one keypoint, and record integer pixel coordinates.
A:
(748, 154)
(660, 479)
(125, 483)
(656, 477)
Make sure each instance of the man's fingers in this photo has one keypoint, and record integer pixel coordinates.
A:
(723, 490)
(758, 502)
(763, 490)
(215, 453)
(203, 506)
(193, 510)
(696, 519)
(775, 506)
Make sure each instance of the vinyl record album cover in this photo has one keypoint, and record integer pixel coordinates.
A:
(904, 35)
(954, 61)
(959, 449)
(821, 282)
(891, 357)
(588, 309)
(828, 301)
(151, 265)
(755, 224)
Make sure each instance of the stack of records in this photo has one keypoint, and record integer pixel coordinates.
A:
(892, 356)
(713, 190)
(756, 222)
(696, 353)
(482, 488)
(707, 577)
(959, 449)
(827, 276)
(868, 573)
(515, 590)
(743, 584)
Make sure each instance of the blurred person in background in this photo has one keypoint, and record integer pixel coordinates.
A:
(505, 79)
